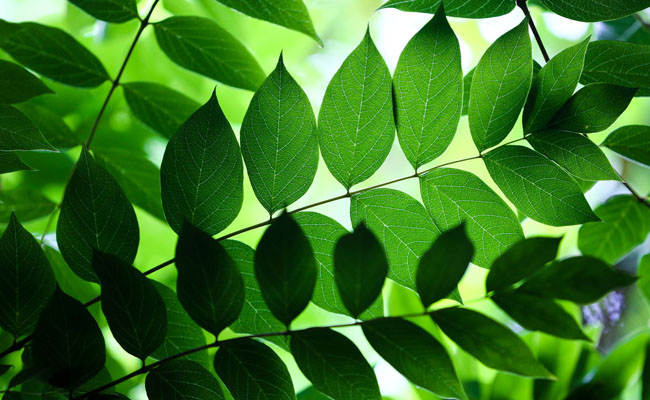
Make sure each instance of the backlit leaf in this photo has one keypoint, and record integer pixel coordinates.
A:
(632, 141)
(455, 8)
(182, 380)
(618, 63)
(28, 204)
(109, 10)
(17, 132)
(590, 11)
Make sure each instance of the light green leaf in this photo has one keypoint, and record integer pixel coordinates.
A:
(553, 86)
(291, 14)
(160, 108)
(455, 8)
(643, 271)
(428, 87)
(334, 365)
(27, 203)
(499, 87)
(618, 63)
(182, 380)
(590, 11)
(27, 280)
(109, 10)
(202, 175)
(278, 141)
(416, 354)
(538, 187)
(10, 162)
(356, 127)
(52, 126)
(17, 132)
(53, 53)
(632, 141)
(201, 45)
(18, 85)
(95, 215)
(401, 224)
(578, 155)
(452, 196)
(490, 342)
(625, 224)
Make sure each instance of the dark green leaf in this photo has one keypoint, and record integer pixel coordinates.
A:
(159, 107)
(539, 314)
(521, 260)
(278, 141)
(285, 268)
(201, 45)
(625, 224)
(401, 224)
(209, 286)
(53, 53)
(4, 368)
(499, 87)
(17, 132)
(538, 187)
(643, 271)
(27, 203)
(27, 280)
(490, 342)
(581, 280)
(10, 162)
(632, 142)
(109, 10)
(334, 365)
(291, 14)
(415, 354)
(578, 155)
(134, 310)
(202, 173)
(593, 108)
(618, 63)
(452, 196)
(360, 268)
(18, 85)
(553, 86)
(443, 265)
(428, 86)
(52, 126)
(138, 177)
(591, 11)
(95, 215)
(356, 123)
(455, 8)
(68, 342)
(182, 380)
(250, 370)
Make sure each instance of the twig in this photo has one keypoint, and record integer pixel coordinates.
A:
(524, 7)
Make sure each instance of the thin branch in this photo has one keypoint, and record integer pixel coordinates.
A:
(524, 7)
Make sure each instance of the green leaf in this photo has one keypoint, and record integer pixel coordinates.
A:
(17, 132)
(536, 313)
(291, 14)
(250, 370)
(356, 123)
(53, 53)
(521, 260)
(4, 368)
(428, 86)
(10, 162)
(627, 29)
(323, 233)
(52, 126)
(27, 280)
(182, 333)
(401, 224)
(490, 342)
(285, 268)
(202, 175)
(27, 203)
(443, 265)
(452, 196)
(538, 187)
(68, 342)
(138, 177)
(553, 86)
(160, 108)
(95, 215)
(334, 365)
(278, 141)
(643, 271)
(593, 108)
(201, 45)
(109, 10)
(590, 11)
(499, 87)
(632, 141)
(18, 85)
(416, 354)
(134, 310)
(209, 285)
(582, 280)
(618, 63)
(578, 155)
(360, 268)
(455, 8)
(625, 224)
(182, 380)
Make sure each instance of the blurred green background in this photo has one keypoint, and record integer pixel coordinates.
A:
(341, 24)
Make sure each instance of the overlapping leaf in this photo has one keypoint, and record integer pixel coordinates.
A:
(632, 141)
(455, 8)
(18, 85)
(17, 132)
(182, 380)
(52, 126)
(10, 162)
(26, 203)
(618, 63)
